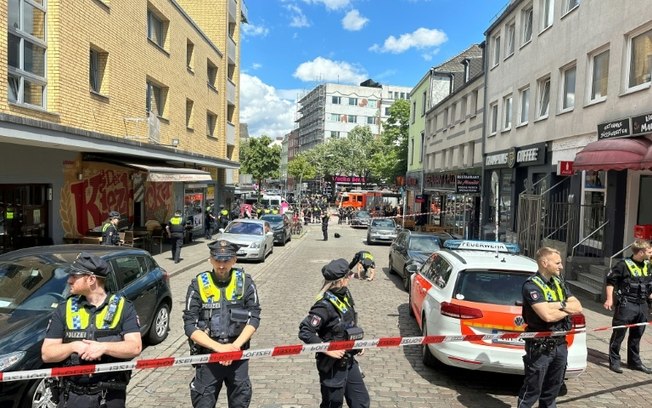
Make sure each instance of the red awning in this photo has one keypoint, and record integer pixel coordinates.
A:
(614, 154)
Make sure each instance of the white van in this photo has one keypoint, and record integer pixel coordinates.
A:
(270, 201)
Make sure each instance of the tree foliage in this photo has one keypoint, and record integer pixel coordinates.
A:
(300, 168)
(391, 160)
(260, 159)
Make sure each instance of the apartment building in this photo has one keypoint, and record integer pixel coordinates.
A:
(569, 81)
(115, 105)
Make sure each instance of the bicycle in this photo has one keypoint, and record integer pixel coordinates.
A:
(297, 228)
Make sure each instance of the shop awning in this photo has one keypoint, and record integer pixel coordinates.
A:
(614, 154)
(172, 174)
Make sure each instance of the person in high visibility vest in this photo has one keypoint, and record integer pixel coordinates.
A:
(175, 229)
(110, 234)
(222, 314)
(90, 327)
(547, 306)
(629, 289)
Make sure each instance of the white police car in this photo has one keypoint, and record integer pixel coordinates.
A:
(474, 287)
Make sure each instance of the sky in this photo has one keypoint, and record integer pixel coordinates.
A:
(289, 47)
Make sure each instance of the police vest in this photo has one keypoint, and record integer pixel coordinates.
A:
(635, 285)
(551, 295)
(346, 319)
(274, 211)
(176, 224)
(108, 232)
(223, 309)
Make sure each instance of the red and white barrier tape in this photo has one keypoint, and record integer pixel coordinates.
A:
(279, 351)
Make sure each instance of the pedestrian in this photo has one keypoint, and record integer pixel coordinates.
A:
(110, 234)
(629, 289)
(209, 219)
(224, 217)
(221, 315)
(91, 326)
(175, 229)
(333, 318)
(324, 223)
(547, 306)
(365, 266)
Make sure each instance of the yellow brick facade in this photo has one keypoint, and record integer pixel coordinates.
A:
(118, 28)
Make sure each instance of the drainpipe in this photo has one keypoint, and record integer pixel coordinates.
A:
(483, 184)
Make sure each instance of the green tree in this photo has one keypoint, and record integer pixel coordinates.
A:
(362, 147)
(260, 159)
(390, 160)
(300, 168)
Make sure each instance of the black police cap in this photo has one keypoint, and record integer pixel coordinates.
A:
(336, 269)
(114, 214)
(222, 250)
(88, 264)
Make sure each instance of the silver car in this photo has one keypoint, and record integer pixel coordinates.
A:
(381, 230)
(254, 238)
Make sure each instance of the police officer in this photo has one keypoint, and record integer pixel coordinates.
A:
(209, 219)
(221, 315)
(175, 229)
(333, 318)
(91, 326)
(224, 216)
(365, 266)
(630, 280)
(110, 234)
(547, 305)
(324, 224)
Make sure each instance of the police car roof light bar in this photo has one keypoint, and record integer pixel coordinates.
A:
(503, 247)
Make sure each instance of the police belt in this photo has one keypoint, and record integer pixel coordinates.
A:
(546, 340)
(632, 299)
(94, 388)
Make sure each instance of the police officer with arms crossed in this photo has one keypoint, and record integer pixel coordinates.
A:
(91, 326)
(631, 282)
(221, 315)
(175, 229)
(110, 234)
(333, 318)
(547, 305)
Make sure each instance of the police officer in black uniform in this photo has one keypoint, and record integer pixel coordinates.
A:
(365, 266)
(91, 326)
(325, 218)
(175, 229)
(547, 305)
(221, 315)
(630, 280)
(110, 234)
(333, 318)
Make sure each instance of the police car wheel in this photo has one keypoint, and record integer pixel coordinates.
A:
(428, 359)
(160, 326)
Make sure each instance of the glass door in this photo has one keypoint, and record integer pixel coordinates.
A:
(592, 210)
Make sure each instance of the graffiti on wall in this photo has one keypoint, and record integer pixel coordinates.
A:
(159, 202)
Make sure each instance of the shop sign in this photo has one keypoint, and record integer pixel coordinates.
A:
(524, 156)
(467, 184)
(616, 128)
(419, 198)
(565, 168)
(348, 179)
(440, 180)
(642, 124)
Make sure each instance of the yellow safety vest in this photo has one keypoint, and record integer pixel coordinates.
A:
(367, 255)
(634, 270)
(78, 319)
(342, 307)
(211, 293)
(556, 295)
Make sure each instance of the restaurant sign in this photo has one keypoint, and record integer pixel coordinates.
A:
(642, 124)
(467, 184)
(614, 129)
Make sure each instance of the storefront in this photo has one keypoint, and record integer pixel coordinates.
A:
(414, 198)
(453, 202)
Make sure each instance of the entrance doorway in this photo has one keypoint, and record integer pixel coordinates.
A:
(24, 216)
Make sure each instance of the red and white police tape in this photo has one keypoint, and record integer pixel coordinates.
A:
(279, 351)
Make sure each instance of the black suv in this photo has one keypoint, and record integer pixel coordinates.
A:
(411, 248)
(33, 281)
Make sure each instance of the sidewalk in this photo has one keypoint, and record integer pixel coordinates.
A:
(192, 254)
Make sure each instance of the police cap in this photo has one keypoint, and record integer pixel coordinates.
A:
(337, 235)
(114, 214)
(88, 264)
(222, 250)
(336, 269)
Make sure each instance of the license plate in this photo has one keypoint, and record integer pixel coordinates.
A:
(513, 342)
(241, 253)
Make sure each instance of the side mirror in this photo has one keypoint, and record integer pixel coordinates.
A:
(412, 268)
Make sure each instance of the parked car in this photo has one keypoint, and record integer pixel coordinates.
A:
(474, 288)
(254, 238)
(411, 248)
(382, 230)
(33, 281)
(360, 219)
(281, 226)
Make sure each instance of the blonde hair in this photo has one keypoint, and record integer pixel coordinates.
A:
(544, 252)
(326, 286)
(640, 245)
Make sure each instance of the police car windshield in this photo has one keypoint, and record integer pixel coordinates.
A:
(488, 286)
(30, 286)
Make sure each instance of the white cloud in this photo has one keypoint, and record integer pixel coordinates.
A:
(323, 69)
(419, 39)
(265, 109)
(297, 18)
(353, 21)
(256, 65)
(251, 30)
(330, 4)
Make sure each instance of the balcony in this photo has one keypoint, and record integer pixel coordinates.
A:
(244, 12)
(232, 49)
(233, 10)
(230, 92)
(230, 177)
(230, 134)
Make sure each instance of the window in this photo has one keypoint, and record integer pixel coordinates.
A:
(156, 98)
(353, 101)
(423, 103)
(423, 146)
(190, 51)
(510, 33)
(526, 24)
(211, 73)
(372, 103)
(525, 105)
(446, 118)
(414, 111)
(336, 100)
(474, 102)
(26, 53)
(352, 119)
(335, 117)
(387, 111)
(411, 151)
(496, 42)
(371, 120)
(453, 113)
(570, 5)
(494, 118)
(568, 91)
(156, 28)
(543, 100)
(467, 69)
(547, 13)
(211, 122)
(599, 65)
(507, 112)
(189, 107)
(335, 134)
(640, 62)
(463, 109)
(96, 71)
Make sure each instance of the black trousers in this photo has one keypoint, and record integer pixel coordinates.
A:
(544, 374)
(176, 238)
(206, 386)
(627, 313)
(114, 399)
(325, 232)
(343, 383)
